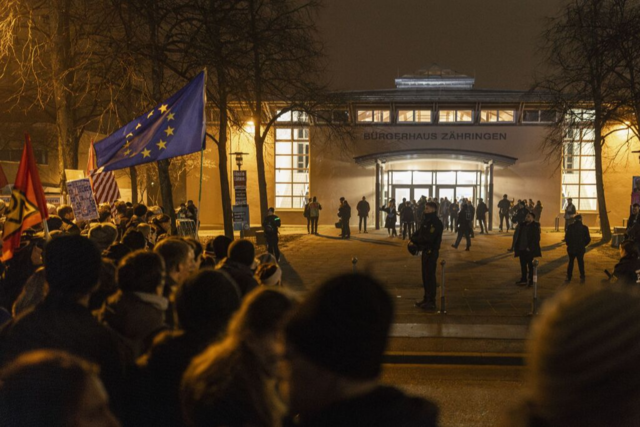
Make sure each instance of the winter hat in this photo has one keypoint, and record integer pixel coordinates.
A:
(269, 274)
(584, 356)
(103, 235)
(343, 326)
(72, 266)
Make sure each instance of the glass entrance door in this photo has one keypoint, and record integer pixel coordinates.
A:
(401, 192)
(419, 191)
(448, 192)
(466, 193)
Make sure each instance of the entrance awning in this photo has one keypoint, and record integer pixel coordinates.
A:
(436, 153)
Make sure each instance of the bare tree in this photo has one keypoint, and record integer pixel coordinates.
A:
(583, 81)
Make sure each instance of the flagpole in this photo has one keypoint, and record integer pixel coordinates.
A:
(204, 139)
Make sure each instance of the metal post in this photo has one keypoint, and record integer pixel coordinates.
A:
(354, 261)
(443, 303)
(534, 301)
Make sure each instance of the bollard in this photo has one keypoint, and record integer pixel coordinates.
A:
(557, 224)
(534, 301)
(443, 304)
(354, 261)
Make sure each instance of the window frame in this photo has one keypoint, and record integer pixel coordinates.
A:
(578, 138)
(414, 112)
(299, 136)
(497, 113)
(373, 111)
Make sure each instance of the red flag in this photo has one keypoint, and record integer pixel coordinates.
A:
(28, 206)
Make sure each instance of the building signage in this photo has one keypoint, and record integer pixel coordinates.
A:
(240, 187)
(82, 200)
(433, 136)
(241, 217)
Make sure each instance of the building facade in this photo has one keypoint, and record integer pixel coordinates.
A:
(434, 135)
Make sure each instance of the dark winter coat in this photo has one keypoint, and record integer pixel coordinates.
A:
(240, 273)
(392, 215)
(471, 212)
(463, 221)
(537, 211)
(482, 210)
(454, 209)
(363, 208)
(633, 219)
(625, 270)
(344, 212)
(383, 407)
(520, 215)
(429, 236)
(577, 238)
(406, 214)
(271, 224)
(137, 321)
(504, 206)
(527, 235)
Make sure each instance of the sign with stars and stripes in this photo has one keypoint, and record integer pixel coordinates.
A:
(174, 128)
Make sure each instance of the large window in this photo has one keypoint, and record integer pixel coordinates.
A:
(496, 116)
(374, 116)
(414, 116)
(539, 116)
(292, 167)
(579, 169)
(455, 116)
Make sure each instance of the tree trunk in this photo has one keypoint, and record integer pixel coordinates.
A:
(134, 184)
(225, 193)
(602, 204)
(262, 180)
(61, 46)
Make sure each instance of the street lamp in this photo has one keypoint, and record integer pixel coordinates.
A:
(239, 155)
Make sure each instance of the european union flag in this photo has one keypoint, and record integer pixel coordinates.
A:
(174, 128)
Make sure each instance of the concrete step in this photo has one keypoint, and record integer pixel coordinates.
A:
(457, 339)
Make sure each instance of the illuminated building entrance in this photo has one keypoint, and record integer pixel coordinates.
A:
(454, 185)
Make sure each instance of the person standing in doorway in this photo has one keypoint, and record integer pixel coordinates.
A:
(270, 226)
(481, 216)
(314, 215)
(444, 212)
(454, 209)
(392, 215)
(527, 247)
(363, 209)
(463, 228)
(428, 239)
(504, 206)
(569, 213)
(406, 220)
(345, 215)
(306, 215)
(471, 213)
(577, 238)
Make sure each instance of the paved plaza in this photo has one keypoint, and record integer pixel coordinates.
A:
(480, 284)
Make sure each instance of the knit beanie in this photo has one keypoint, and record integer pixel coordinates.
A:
(103, 235)
(343, 326)
(584, 356)
(72, 266)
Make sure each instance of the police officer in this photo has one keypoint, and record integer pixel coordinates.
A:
(428, 238)
(270, 226)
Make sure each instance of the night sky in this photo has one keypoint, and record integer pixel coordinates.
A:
(369, 41)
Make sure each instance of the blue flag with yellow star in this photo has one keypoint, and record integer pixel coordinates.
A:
(174, 128)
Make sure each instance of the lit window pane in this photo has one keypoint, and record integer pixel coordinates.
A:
(300, 117)
(505, 115)
(422, 178)
(405, 116)
(488, 116)
(588, 149)
(283, 175)
(588, 177)
(300, 190)
(587, 162)
(447, 116)
(402, 177)
(571, 190)
(446, 177)
(283, 189)
(588, 191)
(283, 162)
(283, 133)
(301, 133)
(464, 193)
(300, 175)
(465, 115)
(466, 178)
(283, 202)
(381, 116)
(588, 134)
(570, 177)
(587, 204)
(298, 202)
(285, 117)
(365, 116)
(423, 116)
(283, 148)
